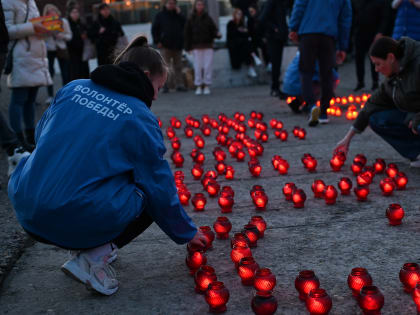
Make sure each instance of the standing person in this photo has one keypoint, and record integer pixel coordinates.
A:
(256, 37)
(30, 65)
(200, 32)
(57, 48)
(79, 68)
(393, 111)
(239, 43)
(168, 35)
(273, 20)
(368, 15)
(105, 33)
(321, 28)
(114, 190)
(407, 21)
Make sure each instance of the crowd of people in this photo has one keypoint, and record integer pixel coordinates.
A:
(119, 193)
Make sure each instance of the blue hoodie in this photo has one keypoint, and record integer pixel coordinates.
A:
(328, 17)
(97, 165)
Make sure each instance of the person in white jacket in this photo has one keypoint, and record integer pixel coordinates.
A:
(57, 48)
(30, 64)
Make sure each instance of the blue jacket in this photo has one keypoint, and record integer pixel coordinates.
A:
(407, 21)
(328, 17)
(97, 165)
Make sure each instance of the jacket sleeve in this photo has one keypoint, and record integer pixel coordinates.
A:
(67, 33)
(379, 101)
(156, 29)
(297, 14)
(344, 25)
(16, 31)
(153, 176)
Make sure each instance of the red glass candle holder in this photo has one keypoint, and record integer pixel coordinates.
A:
(177, 158)
(357, 279)
(175, 122)
(387, 186)
(209, 234)
(283, 135)
(356, 168)
(264, 303)
(260, 200)
(301, 134)
(345, 184)
(197, 171)
(230, 172)
(392, 170)
(191, 248)
(189, 132)
(275, 161)
(222, 227)
(360, 158)
(238, 252)
(212, 188)
(216, 297)
(184, 197)
(310, 163)
(260, 223)
(227, 190)
(416, 297)
(199, 141)
(199, 202)
(318, 188)
(264, 281)
(254, 168)
(252, 233)
(305, 282)
(379, 166)
(364, 179)
(295, 130)
(361, 192)
(371, 300)
(226, 203)
(195, 260)
(318, 302)
(199, 157)
(273, 123)
(254, 189)
(401, 180)
(288, 190)
(170, 132)
(409, 276)
(283, 167)
(246, 270)
(239, 239)
(175, 143)
(203, 277)
(219, 155)
(206, 130)
(299, 198)
(395, 214)
(330, 195)
(220, 167)
(336, 163)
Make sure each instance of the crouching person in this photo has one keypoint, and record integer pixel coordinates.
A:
(97, 178)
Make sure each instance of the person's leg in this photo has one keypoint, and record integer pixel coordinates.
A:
(7, 137)
(326, 58)
(307, 45)
(177, 62)
(17, 102)
(51, 58)
(276, 49)
(65, 70)
(390, 126)
(29, 115)
(167, 56)
(208, 55)
(198, 67)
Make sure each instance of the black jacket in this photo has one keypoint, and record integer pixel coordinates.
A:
(273, 19)
(75, 45)
(168, 29)
(239, 44)
(368, 16)
(200, 31)
(4, 34)
(109, 38)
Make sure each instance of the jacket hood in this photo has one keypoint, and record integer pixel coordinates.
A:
(50, 6)
(125, 78)
(411, 51)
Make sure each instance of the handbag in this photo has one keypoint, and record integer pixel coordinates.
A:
(9, 59)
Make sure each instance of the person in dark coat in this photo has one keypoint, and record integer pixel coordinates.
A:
(257, 41)
(168, 36)
(79, 68)
(368, 15)
(105, 33)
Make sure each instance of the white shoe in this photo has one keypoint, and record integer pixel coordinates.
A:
(415, 163)
(14, 160)
(48, 101)
(323, 121)
(113, 255)
(251, 72)
(198, 90)
(98, 276)
(206, 90)
(257, 60)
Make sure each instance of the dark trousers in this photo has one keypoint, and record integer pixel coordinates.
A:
(392, 126)
(275, 49)
(64, 69)
(22, 105)
(321, 48)
(133, 229)
(78, 69)
(362, 45)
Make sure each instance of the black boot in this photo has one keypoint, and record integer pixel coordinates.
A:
(30, 136)
(21, 138)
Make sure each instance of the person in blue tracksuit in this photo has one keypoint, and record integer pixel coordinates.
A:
(97, 177)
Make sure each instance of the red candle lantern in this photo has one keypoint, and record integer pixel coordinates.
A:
(273, 123)
(160, 122)
(395, 214)
(226, 202)
(371, 300)
(199, 141)
(195, 260)
(252, 233)
(305, 282)
(222, 226)
(301, 133)
(220, 167)
(392, 170)
(206, 130)
(254, 189)
(357, 279)
(264, 136)
(238, 252)
(240, 155)
(283, 167)
(246, 270)
(299, 198)
(360, 158)
(203, 277)
(409, 276)
(361, 192)
(177, 158)
(345, 184)
(184, 197)
(260, 116)
(401, 180)
(192, 248)
(264, 304)
(170, 132)
(175, 143)
(251, 123)
(216, 297)
(296, 130)
(239, 239)
(330, 195)
(213, 188)
(264, 281)
(356, 168)
(318, 302)
(230, 172)
(283, 135)
(416, 297)
(209, 234)
(197, 171)
(309, 162)
(260, 223)
(364, 179)
(336, 162)
(318, 188)
(199, 157)
(227, 190)
(275, 160)
(199, 202)
(260, 200)
(279, 124)
(254, 168)
(379, 166)
(205, 119)
(387, 186)
(288, 190)
(219, 155)
(175, 122)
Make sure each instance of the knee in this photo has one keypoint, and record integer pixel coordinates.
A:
(377, 121)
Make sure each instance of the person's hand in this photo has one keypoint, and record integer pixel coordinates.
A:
(293, 36)
(40, 29)
(340, 56)
(413, 130)
(102, 29)
(199, 239)
(342, 146)
(159, 45)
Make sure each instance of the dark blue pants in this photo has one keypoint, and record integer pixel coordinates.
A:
(22, 104)
(391, 125)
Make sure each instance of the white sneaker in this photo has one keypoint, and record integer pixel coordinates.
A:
(48, 101)
(415, 163)
(206, 90)
(14, 160)
(257, 60)
(98, 276)
(198, 90)
(251, 72)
